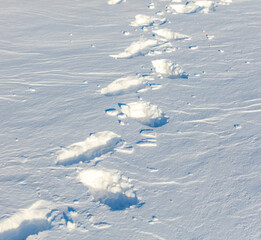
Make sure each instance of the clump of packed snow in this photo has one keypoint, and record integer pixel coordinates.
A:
(124, 85)
(27, 222)
(142, 20)
(150, 47)
(94, 146)
(146, 113)
(169, 35)
(187, 7)
(113, 2)
(109, 187)
(167, 68)
(137, 48)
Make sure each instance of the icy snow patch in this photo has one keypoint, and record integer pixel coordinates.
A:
(109, 187)
(113, 2)
(146, 113)
(142, 20)
(169, 35)
(145, 47)
(27, 222)
(94, 146)
(168, 69)
(124, 85)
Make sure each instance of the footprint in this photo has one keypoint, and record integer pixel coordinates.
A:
(167, 34)
(124, 85)
(29, 221)
(142, 20)
(109, 187)
(144, 112)
(113, 2)
(111, 112)
(154, 220)
(150, 47)
(167, 68)
(94, 146)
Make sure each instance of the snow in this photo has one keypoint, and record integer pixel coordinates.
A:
(94, 146)
(27, 222)
(109, 187)
(168, 69)
(115, 131)
(124, 85)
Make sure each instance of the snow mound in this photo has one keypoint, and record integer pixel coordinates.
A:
(137, 48)
(168, 69)
(203, 6)
(109, 187)
(143, 47)
(27, 222)
(124, 85)
(142, 20)
(94, 146)
(145, 113)
(169, 35)
(113, 2)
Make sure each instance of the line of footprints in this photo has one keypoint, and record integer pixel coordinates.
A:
(109, 186)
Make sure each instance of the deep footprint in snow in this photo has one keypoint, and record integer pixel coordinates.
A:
(149, 138)
(94, 146)
(144, 112)
(29, 221)
(109, 187)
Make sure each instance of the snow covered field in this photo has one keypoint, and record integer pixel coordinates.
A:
(130, 119)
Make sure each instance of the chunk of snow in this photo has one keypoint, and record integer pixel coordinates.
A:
(94, 146)
(146, 113)
(142, 20)
(168, 69)
(124, 85)
(169, 35)
(113, 2)
(137, 48)
(27, 222)
(109, 187)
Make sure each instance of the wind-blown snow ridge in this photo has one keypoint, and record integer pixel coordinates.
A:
(144, 47)
(94, 146)
(144, 112)
(124, 85)
(109, 187)
(27, 222)
(167, 68)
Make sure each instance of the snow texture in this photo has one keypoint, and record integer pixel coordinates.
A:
(169, 35)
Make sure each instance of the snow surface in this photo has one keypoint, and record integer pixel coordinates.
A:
(163, 158)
